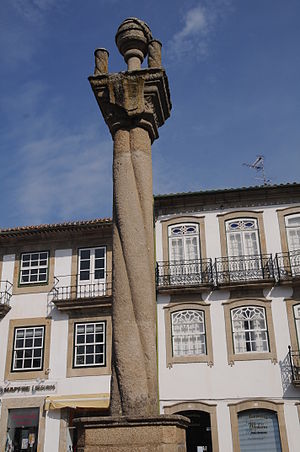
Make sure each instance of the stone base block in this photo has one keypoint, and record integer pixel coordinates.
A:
(165, 433)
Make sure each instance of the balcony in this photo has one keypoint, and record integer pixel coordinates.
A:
(251, 269)
(5, 295)
(295, 366)
(70, 295)
(288, 266)
(184, 274)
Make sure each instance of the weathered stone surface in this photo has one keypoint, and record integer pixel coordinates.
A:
(134, 104)
(154, 53)
(124, 434)
(101, 61)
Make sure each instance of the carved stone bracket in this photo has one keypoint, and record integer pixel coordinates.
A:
(133, 99)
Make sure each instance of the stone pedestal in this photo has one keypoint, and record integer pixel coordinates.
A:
(132, 434)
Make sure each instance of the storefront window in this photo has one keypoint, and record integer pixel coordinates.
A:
(258, 430)
(22, 430)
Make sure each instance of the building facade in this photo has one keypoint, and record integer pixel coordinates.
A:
(228, 322)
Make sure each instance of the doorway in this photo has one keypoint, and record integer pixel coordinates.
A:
(22, 430)
(198, 434)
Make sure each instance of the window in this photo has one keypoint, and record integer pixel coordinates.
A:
(184, 254)
(292, 224)
(184, 242)
(34, 267)
(89, 344)
(91, 272)
(249, 329)
(242, 237)
(28, 349)
(258, 425)
(188, 333)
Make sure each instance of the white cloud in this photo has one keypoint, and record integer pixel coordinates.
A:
(34, 10)
(57, 173)
(199, 24)
(65, 177)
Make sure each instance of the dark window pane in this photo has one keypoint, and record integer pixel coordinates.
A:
(80, 339)
(28, 342)
(43, 262)
(19, 343)
(25, 264)
(37, 341)
(18, 364)
(99, 252)
(99, 274)
(33, 277)
(27, 363)
(34, 257)
(79, 360)
(44, 256)
(80, 350)
(99, 263)
(90, 359)
(34, 263)
(99, 359)
(28, 353)
(84, 265)
(99, 348)
(89, 338)
(26, 257)
(90, 349)
(99, 338)
(84, 275)
(42, 277)
(36, 363)
(19, 354)
(85, 254)
(37, 353)
(25, 278)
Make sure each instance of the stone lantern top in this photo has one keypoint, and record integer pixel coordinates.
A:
(132, 39)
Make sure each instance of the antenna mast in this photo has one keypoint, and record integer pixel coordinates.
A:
(259, 166)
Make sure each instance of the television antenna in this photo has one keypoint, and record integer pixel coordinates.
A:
(259, 166)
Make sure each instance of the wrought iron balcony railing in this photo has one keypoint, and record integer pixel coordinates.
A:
(288, 265)
(5, 292)
(295, 366)
(244, 269)
(184, 273)
(69, 288)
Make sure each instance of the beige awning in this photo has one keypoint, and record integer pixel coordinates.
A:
(77, 401)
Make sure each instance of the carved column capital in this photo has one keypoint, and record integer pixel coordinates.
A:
(138, 98)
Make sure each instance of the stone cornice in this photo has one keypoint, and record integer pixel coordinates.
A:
(234, 198)
(138, 98)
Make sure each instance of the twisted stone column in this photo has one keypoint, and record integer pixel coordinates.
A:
(134, 104)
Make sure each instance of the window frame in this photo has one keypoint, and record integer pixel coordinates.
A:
(257, 404)
(174, 221)
(42, 348)
(248, 356)
(245, 331)
(281, 215)
(85, 366)
(33, 283)
(28, 374)
(189, 304)
(290, 305)
(104, 316)
(242, 215)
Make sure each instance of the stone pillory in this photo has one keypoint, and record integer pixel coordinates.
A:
(134, 104)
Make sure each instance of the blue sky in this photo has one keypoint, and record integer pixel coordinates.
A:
(234, 71)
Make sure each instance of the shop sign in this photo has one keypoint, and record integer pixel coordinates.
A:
(28, 389)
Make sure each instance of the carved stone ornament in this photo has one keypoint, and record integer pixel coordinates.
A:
(138, 98)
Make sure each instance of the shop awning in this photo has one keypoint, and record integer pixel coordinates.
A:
(77, 401)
